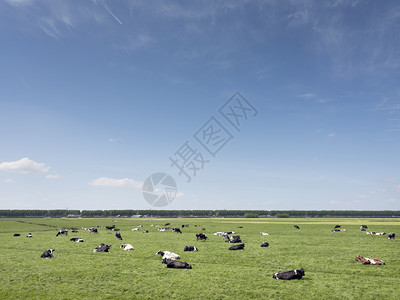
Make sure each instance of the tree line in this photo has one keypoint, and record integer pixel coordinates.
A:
(127, 213)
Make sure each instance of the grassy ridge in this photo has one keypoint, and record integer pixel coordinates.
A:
(327, 257)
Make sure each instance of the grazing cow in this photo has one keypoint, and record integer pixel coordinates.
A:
(296, 227)
(237, 247)
(338, 226)
(135, 229)
(369, 261)
(102, 248)
(47, 254)
(235, 239)
(93, 230)
(118, 235)
(127, 247)
(78, 240)
(29, 235)
(168, 255)
(230, 232)
(289, 275)
(110, 227)
(391, 236)
(190, 248)
(201, 236)
(265, 244)
(17, 234)
(263, 233)
(380, 233)
(175, 229)
(176, 264)
(62, 231)
(115, 229)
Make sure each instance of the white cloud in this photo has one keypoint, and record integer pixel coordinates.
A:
(114, 140)
(52, 176)
(112, 182)
(332, 134)
(24, 166)
(19, 2)
(9, 180)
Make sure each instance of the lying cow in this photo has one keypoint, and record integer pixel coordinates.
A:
(237, 247)
(370, 232)
(168, 255)
(127, 247)
(62, 232)
(115, 229)
(380, 233)
(369, 261)
(190, 248)
(118, 235)
(47, 254)
(77, 240)
(289, 275)
(102, 248)
(110, 227)
(265, 244)
(17, 234)
(391, 236)
(74, 231)
(135, 229)
(176, 264)
(338, 226)
(296, 227)
(93, 230)
(263, 233)
(29, 235)
(363, 227)
(201, 237)
(235, 239)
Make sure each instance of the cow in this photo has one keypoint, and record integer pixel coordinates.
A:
(218, 233)
(265, 244)
(78, 240)
(102, 248)
(166, 224)
(370, 232)
(29, 235)
(335, 230)
(62, 231)
(239, 227)
(118, 235)
(161, 229)
(176, 264)
(74, 231)
(263, 233)
(296, 227)
(363, 227)
(115, 229)
(338, 226)
(110, 227)
(48, 254)
(177, 230)
(203, 228)
(146, 231)
(127, 247)
(93, 230)
(139, 226)
(237, 247)
(17, 234)
(289, 275)
(380, 233)
(235, 239)
(369, 261)
(391, 236)
(190, 248)
(201, 236)
(135, 229)
(168, 255)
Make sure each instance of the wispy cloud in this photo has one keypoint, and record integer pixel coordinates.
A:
(117, 183)
(52, 176)
(8, 180)
(24, 166)
(112, 14)
(332, 134)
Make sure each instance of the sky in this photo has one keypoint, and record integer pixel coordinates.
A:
(267, 105)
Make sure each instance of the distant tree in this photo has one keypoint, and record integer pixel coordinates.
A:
(250, 215)
(282, 215)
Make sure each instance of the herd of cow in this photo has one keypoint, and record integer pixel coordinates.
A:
(171, 259)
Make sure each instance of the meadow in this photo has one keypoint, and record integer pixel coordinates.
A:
(76, 272)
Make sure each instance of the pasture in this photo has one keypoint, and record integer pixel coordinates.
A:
(328, 259)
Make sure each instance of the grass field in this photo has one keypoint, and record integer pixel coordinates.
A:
(76, 272)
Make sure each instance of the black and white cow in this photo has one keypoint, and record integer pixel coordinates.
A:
(265, 244)
(363, 227)
(47, 254)
(17, 234)
(176, 264)
(391, 236)
(338, 226)
(168, 255)
(74, 231)
(235, 239)
(118, 235)
(190, 248)
(166, 224)
(146, 231)
(62, 232)
(115, 229)
(110, 227)
(78, 240)
(102, 248)
(237, 247)
(201, 236)
(176, 229)
(289, 275)
(93, 230)
(296, 227)
(29, 235)
(127, 247)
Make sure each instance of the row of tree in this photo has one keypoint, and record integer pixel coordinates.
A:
(58, 213)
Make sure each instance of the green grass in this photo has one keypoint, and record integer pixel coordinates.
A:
(77, 272)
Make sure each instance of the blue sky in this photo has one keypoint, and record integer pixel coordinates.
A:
(96, 96)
